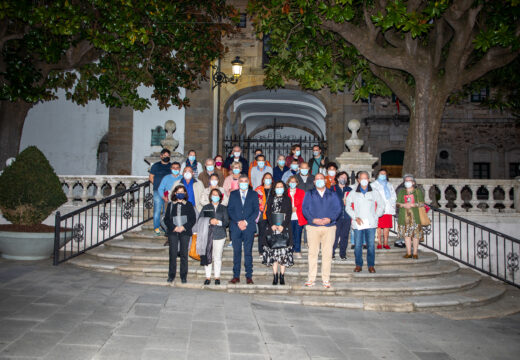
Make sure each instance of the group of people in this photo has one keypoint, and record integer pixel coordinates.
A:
(282, 204)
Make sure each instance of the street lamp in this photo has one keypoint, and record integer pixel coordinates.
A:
(220, 78)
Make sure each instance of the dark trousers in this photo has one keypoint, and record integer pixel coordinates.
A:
(297, 235)
(262, 225)
(174, 239)
(245, 239)
(342, 232)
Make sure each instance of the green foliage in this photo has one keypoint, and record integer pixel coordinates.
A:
(29, 189)
(99, 49)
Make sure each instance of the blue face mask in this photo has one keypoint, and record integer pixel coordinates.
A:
(243, 186)
(215, 198)
(175, 172)
(294, 167)
(381, 177)
(180, 196)
(191, 158)
(304, 172)
(268, 182)
(236, 171)
(279, 191)
(210, 167)
(297, 152)
(281, 162)
(293, 185)
(261, 164)
(320, 183)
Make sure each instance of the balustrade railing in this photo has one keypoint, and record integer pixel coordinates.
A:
(103, 220)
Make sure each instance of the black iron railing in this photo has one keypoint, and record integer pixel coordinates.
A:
(476, 246)
(94, 224)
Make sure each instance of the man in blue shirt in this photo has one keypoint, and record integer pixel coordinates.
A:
(159, 170)
(168, 181)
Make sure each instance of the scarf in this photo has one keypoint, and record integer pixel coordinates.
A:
(384, 183)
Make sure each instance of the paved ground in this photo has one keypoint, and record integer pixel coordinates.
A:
(68, 313)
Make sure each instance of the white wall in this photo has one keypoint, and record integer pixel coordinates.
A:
(66, 133)
(147, 120)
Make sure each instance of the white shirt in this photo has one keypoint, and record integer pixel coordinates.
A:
(321, 192)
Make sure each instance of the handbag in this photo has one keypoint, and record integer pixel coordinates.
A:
(193, 248)
(423, 217)
(277, 241)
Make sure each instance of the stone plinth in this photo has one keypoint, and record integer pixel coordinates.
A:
(356, 161)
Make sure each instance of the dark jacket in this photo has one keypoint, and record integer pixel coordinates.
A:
(186, 209)
(286, 209)
(309, 185)
(313, 160)
(278, 173)
(245, 164)
(316, 207)
(238, 212)
(219, 232)
(341, 195)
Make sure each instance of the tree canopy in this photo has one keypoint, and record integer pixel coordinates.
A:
(422, 51)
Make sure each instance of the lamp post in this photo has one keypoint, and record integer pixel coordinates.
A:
(220, 78)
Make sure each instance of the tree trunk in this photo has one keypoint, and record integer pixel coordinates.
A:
(12, 118)
(426, 110)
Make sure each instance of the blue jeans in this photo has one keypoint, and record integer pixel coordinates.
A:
(341, 239)
(297, 235)
(238, 238)
(367, 235)
(158, 204)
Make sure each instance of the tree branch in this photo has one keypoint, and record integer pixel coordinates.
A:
(396, 81)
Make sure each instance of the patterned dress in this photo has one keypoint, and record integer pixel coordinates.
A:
(283, 256)
(410, 228)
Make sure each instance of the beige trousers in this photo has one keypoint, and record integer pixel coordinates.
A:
(218, 247)
(320, 236)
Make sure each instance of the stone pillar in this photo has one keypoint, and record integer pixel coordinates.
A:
(120, 134)
(198, 134)
(516, 192)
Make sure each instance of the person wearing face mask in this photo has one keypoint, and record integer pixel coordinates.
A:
(386, 222)
(297, 219)
(231, 181)
(258, 152)
(293, 171)
(243, 211)
(330, 178)
(168, 181)
(192, 162)
(219, 166)
(213, 184)
(179, 218)
(280, 168)
(208, 171)
(194, 188)
(264, 192)
(365, 206)
(236, 156)
(321, 208)
(296, 151)
(278, 212)
(409, 200)
(219, 220)
(343, 223)
(318, 161)
(157, 172)
(305, 178)
(258, 172)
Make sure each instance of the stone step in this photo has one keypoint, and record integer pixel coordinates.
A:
(375, 289)
(118, 256)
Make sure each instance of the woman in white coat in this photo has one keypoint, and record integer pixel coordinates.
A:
(387, 192)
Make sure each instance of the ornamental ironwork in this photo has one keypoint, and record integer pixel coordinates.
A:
(78, 232)
(512, 262)
(128, 209)
(482, 249)
(104, 221)
(453, 237)
(148, 201)
(427, 230)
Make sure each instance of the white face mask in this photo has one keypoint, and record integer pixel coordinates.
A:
(237, 153)
(213, 182)
(408, 184)
(331, 173)
(363, 182)
(188, 175)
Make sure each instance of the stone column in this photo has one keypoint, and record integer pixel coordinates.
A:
(198, 133)
(120, 134)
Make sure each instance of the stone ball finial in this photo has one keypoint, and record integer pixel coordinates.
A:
(354, 125)
(170, 126)
(354, 143)
(169, 142)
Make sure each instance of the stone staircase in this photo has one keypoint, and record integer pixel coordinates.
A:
(425, 284)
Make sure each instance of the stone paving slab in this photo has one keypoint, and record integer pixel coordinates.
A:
(55, 313)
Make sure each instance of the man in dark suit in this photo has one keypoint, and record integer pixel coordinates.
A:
(243, 209)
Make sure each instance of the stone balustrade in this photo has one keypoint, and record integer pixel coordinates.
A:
(458, 195)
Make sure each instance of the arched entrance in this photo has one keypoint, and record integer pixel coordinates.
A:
(392, 161)
(273, 120)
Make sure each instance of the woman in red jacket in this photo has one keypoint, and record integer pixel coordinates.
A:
(297, 220)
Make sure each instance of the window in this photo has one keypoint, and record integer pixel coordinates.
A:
(266, 49)
(481, 170)
(242, 23)
(514, 169)
(480, 95)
